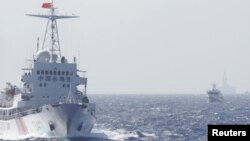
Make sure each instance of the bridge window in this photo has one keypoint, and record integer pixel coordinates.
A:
(40, 78)
(45, 85)
(54, 72)
(42, 72)
(58, 73)
(40, 85)
(68, 85)
(62, 78)
(68, 79)
(63, 85)
(38, 72)
(67, 73)
(50, 72)
(54, 78)
(46, 72)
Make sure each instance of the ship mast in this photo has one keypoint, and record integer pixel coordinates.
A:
(51, 36)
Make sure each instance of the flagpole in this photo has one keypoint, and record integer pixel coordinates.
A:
(53, 20)
(52, 26)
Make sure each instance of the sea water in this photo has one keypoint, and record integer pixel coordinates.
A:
(180, 117)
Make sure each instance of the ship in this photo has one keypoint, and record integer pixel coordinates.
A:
(215, 95)
(52, 99)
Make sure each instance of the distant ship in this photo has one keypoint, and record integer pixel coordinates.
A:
(215, 95)
(52, 100)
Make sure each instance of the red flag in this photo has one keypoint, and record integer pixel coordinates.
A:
(47, 5)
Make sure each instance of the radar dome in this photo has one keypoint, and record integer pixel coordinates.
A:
(43, 56)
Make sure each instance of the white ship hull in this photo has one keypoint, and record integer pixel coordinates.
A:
(66, 120)
(216, 98)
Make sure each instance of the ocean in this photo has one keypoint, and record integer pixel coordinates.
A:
(162, 117)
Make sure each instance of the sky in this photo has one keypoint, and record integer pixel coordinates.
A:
(137, 46)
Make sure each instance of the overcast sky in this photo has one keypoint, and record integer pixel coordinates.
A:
(137, 46)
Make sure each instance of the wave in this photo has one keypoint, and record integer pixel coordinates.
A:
(124, 135)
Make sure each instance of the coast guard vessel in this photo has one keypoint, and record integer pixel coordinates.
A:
(215, 95)
(52, 100)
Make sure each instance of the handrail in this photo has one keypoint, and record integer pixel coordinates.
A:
(14, 113)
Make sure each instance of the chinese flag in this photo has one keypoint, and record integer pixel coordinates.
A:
(46, 5)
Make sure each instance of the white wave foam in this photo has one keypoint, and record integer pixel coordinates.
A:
(118, 134)
(121, 134)
(15, 137)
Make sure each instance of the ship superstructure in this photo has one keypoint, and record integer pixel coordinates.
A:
(52, 101)
(215, 95)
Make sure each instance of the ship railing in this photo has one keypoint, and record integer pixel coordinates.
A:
(83, 72)
(5, 103)
(15, 113)
(70, 101)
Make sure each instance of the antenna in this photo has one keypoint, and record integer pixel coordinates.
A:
(51, 31)
(37, 44)
(79, 59)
